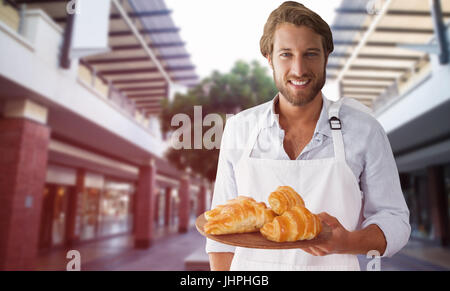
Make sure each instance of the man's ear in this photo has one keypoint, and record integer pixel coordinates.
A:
(269, 59)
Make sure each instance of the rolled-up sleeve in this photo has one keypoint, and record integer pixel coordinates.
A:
(225, 185)
(384, 203)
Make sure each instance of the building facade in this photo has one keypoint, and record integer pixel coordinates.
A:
(393, 56)
(82, 158)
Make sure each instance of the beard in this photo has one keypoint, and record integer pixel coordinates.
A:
(300, 97)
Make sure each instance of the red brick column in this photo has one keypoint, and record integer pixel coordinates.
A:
(201, 205)
(167, 206)
(23, 167)
(184, 205)
(144, 216)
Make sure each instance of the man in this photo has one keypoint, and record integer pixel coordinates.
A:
(338, 158)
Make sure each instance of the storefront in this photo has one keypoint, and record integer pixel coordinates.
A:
(419, 205)
(54, 213)
(103, 207)
(427, 193)
(447, 185)
(116, 208)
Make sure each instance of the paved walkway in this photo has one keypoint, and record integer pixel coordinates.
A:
(170, 250)
(167, 253)
(419, 256)
(415, 256)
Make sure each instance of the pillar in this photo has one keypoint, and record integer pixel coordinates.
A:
(184, 204)
(201, 203)
(438, 203)
(144, 207)
(74, 205)
(404, 181)
(418, 202)
(167, 206)
(156, 206)
(24, 139)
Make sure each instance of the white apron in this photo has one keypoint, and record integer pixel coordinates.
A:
(326, 185)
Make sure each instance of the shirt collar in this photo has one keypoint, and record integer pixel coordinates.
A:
(322, 125)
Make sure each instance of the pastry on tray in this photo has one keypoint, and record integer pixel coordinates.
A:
(239, 215)
(287, 220)
(297, 223)
(284, 198)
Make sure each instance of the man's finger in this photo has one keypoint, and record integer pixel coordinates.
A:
(316, 251)
(323, 250)
(328, 219)
(309, 251)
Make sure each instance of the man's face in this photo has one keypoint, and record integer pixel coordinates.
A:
(298, 61)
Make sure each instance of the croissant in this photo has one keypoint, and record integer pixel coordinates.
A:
(213, 213)
(297, 223)
(239, 215)
(284, 198)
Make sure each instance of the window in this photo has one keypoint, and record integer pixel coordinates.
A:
(116, 208)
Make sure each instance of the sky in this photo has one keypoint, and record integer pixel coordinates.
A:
(220, 32)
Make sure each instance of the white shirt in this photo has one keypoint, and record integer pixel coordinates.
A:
(368, 154)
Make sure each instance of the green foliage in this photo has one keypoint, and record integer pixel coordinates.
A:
(245, 86)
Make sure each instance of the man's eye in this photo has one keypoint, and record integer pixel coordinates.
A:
(311, 54)
(285, 55)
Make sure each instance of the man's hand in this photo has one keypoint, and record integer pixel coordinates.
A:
(343, 241)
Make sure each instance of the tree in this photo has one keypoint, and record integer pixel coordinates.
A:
(245, 86)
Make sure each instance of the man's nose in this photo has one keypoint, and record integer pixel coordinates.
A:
(298, 66)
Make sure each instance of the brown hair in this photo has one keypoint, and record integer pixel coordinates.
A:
(298, 14)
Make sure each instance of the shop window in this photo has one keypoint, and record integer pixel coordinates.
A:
(53, 216)
(59, 215)
(447, 190)
(115, 208)
(100, 212)
(417, 198)
(89, 216)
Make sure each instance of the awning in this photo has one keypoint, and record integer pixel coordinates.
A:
(371, 61)
(127, 68)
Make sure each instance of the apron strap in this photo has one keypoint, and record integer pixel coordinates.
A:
(336, 126)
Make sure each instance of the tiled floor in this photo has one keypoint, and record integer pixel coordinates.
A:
(170, 250)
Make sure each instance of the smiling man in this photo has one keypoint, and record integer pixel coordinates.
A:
(299, 72)
(335, 155)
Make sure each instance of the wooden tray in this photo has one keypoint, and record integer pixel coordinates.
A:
(255, 240)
